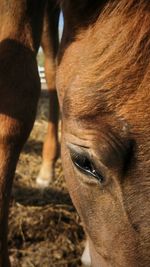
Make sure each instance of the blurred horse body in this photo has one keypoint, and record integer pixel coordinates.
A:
(50, 43)
(23, 24)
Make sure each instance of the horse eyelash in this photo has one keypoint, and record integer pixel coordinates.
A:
(82, 158)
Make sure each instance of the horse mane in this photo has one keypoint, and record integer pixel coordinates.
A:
(115, 61)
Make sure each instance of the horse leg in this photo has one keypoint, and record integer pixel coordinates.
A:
(19, 91)
(50, 47)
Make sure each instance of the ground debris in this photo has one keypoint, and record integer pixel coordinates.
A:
(44, 228)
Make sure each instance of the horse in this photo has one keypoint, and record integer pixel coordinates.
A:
(24, 25)
(50, 44)
(102, 80)
(103, 84)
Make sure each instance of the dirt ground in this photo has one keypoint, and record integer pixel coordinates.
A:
(44, 228)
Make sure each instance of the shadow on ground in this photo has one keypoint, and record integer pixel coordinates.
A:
(44, 228)
(38, 197)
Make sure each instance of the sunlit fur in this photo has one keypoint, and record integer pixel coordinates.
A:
(103, 83)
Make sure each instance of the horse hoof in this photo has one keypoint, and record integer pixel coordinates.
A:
(41, 182)
(46, 175)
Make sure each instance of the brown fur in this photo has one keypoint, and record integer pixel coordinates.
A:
(21, 25)
(50, 44)
(103, 84)
(103, 81)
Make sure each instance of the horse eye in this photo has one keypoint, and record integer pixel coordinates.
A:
(84, 165)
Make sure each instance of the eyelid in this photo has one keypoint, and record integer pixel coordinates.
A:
(96, 174)
(81, 150)
(76, 146)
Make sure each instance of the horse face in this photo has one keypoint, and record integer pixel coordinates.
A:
(104, 96)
